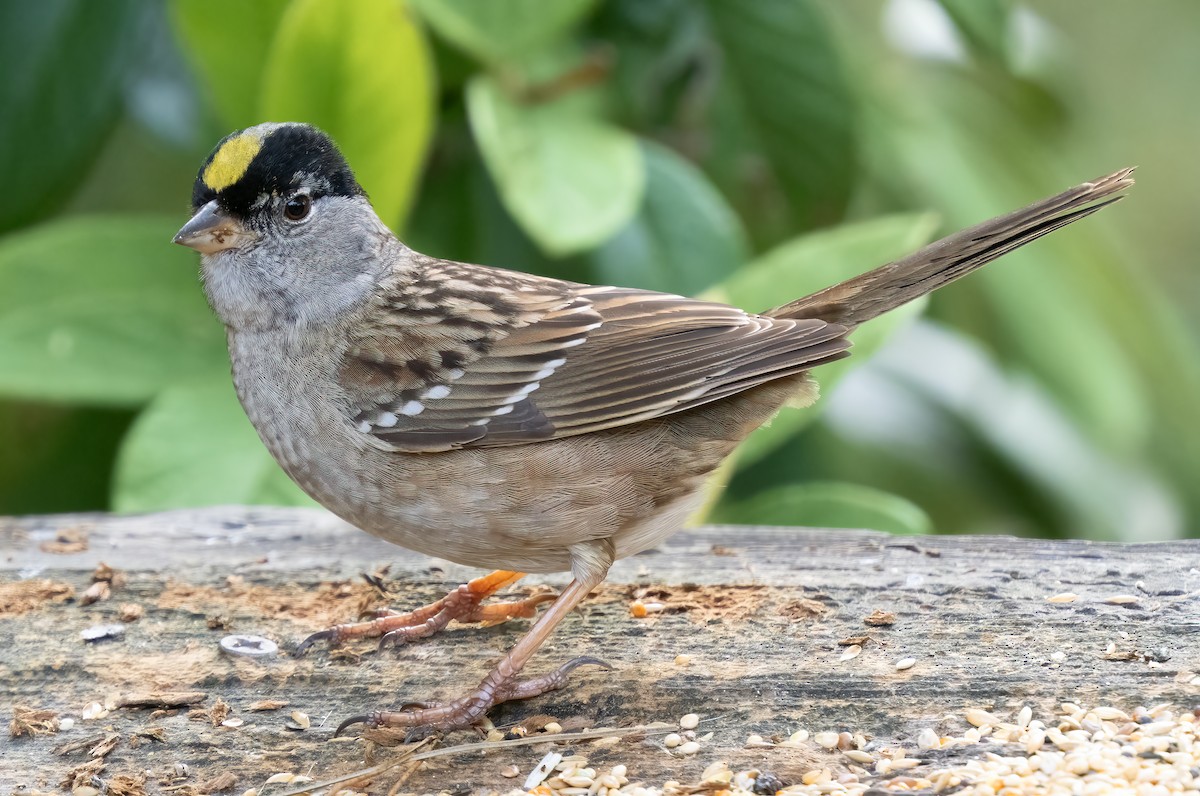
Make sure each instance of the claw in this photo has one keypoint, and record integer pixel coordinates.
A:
(583, 660)
(500, 684)
(367, 719)
(329, 635)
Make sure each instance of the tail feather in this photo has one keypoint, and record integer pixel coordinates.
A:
(869, 295)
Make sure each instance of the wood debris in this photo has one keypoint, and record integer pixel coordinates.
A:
(30, 721)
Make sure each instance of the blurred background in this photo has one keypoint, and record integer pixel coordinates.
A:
(747, 152)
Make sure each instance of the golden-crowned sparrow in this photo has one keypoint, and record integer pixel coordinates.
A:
(495, 418)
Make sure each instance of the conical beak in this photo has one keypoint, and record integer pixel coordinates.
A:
(211, 231)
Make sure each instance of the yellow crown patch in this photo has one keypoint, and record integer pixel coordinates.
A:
(231, 161)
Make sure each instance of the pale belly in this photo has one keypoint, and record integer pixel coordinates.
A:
(517, 508)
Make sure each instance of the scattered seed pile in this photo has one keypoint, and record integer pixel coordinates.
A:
(1104, 750)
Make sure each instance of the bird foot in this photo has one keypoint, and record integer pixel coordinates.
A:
(464, 604)
(426, 717)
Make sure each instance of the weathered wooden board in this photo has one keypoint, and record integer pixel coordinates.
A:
(759, 610)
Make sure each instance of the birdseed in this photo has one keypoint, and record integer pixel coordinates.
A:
(905, 663)
(1079, 751)
(1065, 597)
(298, 720)
(826, 740)
(689, 721)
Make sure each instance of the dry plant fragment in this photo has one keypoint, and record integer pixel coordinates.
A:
(81, 775)
(99, 590)
(880, 618)
(103, 573)
(22, 596)
(126, 785)
(219, 712)
(105, 746)
(223, 781)
(162, 699)
(29, 721)
(130, 612)
(804, 608)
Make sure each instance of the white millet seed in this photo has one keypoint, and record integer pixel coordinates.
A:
(826, 740)
(1065, 597)
(928, 739)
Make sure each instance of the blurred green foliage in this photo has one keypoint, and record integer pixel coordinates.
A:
(746, 152)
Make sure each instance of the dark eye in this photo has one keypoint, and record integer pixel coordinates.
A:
(297, 207)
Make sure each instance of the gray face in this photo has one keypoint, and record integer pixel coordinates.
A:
(287, 235)
(297, 271)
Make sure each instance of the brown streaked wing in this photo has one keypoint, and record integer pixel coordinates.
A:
(439, 355)
(656, 354)
(603, 357)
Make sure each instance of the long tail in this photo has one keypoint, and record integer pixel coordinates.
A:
(864, 297)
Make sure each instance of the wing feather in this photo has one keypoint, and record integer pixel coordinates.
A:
(554, 358)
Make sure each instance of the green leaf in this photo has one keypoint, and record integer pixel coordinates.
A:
(684, 239)
(829, 504)
(102, 310)
(499, 30)
(569, 180)
(65, 65)
(194, 446)
(56, 458)
(228, 42)
(361, 71)
(808, 264)
(788, 75)
(652, 84)
(984, 24)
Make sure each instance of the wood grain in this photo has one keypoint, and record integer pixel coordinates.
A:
(759, 610)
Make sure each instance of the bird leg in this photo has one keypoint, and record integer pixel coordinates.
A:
(501, 683)
(464, 604)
